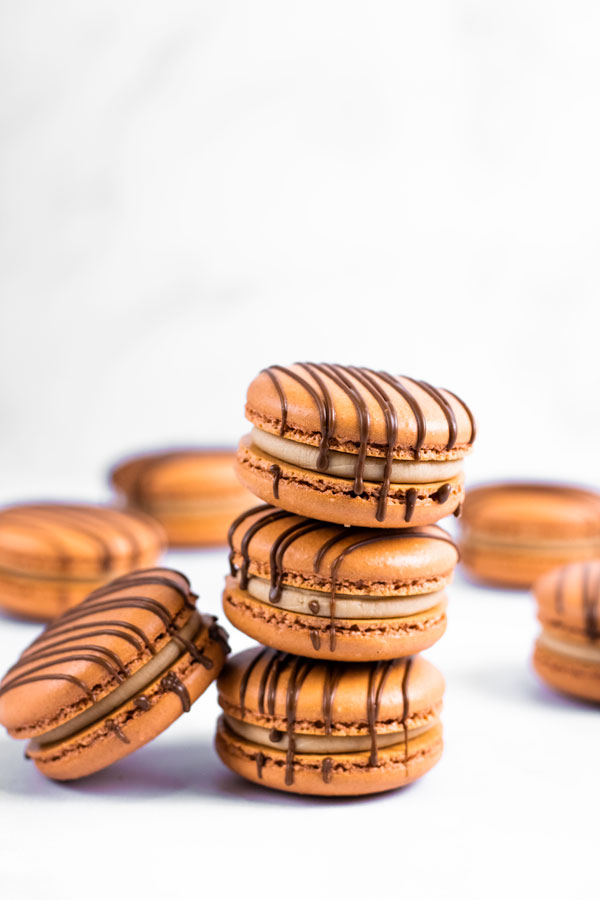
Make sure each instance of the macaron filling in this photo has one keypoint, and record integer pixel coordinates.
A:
(316, 603)
(320, 743)
(137, 683)
(584, 652)
(343, 465)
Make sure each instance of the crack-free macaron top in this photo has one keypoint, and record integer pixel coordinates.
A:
(178, 475)
(95, 648)
(264, 687)
(292, 550)
(76, 540)
(359, 410)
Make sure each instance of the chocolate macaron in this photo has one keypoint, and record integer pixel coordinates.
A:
(53, 554)
(567, 653)
(194, 493)
(355, 446)
(311, 727)
(512, 533)
(321, 590)
(109, 675)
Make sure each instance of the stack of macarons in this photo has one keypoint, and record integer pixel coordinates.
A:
(340, 574)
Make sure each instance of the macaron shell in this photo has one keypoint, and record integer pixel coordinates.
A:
(423, 692)
(303, 422)
(43, 599)
(568, 599)
(99, 745)
(517, 567)
(351, 775)
(389, 565)
(332, 499)
(355, 639)
(570, 676)
(76, 541)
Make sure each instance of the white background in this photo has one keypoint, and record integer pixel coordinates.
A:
(192, 190)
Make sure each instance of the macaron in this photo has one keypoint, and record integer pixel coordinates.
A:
(512, 533)
(194, 494)
(53, 554)
(567, 652)
(355, 446)
(329, 728)
(110, 674)
(321, 590)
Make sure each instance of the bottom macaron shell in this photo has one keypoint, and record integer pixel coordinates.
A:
(351, 774)
(570, 676)
(332, 499)
(129, 727)
(355, 639)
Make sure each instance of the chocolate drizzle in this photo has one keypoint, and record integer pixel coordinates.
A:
(172, 683)
(142, 702)
(275, 471)
(117, 730)
(348, 379)
(410, 501)
(590, 598)
(302, 526)
(260, 761)
(275, 663)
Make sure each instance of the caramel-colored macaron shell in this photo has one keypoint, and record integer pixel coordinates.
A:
(194, 494)
(568, 600)
(424, 693)
(303, 422)
(390, 565)
(351, 774)
(355, 639)
(79, 541)
(332, 499)
(563, 673)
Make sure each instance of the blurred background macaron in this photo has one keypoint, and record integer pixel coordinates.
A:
(53, 554)
(316, 589)
(355, 446)
(512, 533)
(311, 727)
(194, 493)
(110, 674)
(567, 653)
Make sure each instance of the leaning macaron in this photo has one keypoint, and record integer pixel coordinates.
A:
(109, 675)
(321, 590)
(567, 653)
(53, 554)
(512, 533)
(311, 727)
(355, 446)
(194, 493)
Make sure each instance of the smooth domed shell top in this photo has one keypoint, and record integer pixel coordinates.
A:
(547, 511)
(90, 649)
(76, 540)
(266, 673)
(570, 597)
(178, 475)
(386, 559)
(293, 401)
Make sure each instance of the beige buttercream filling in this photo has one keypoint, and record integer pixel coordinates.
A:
(135, 684)
(343, 465)
(298, 600)
(584, 652)
(317, 743)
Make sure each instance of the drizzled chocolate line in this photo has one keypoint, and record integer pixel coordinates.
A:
(117, 730)
(278, 662)
(275, 471)
(142, 702)
(127, 581)
(370, 380)
(590, 600)
(191, 648)
(173, 684)
(283, 541)
(55, 644)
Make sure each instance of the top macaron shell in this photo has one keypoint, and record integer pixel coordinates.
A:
(177, 475)
(569, 601)
(300, 418)
(76, 540)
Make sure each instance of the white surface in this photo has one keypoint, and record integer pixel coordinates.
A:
(193, 190)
